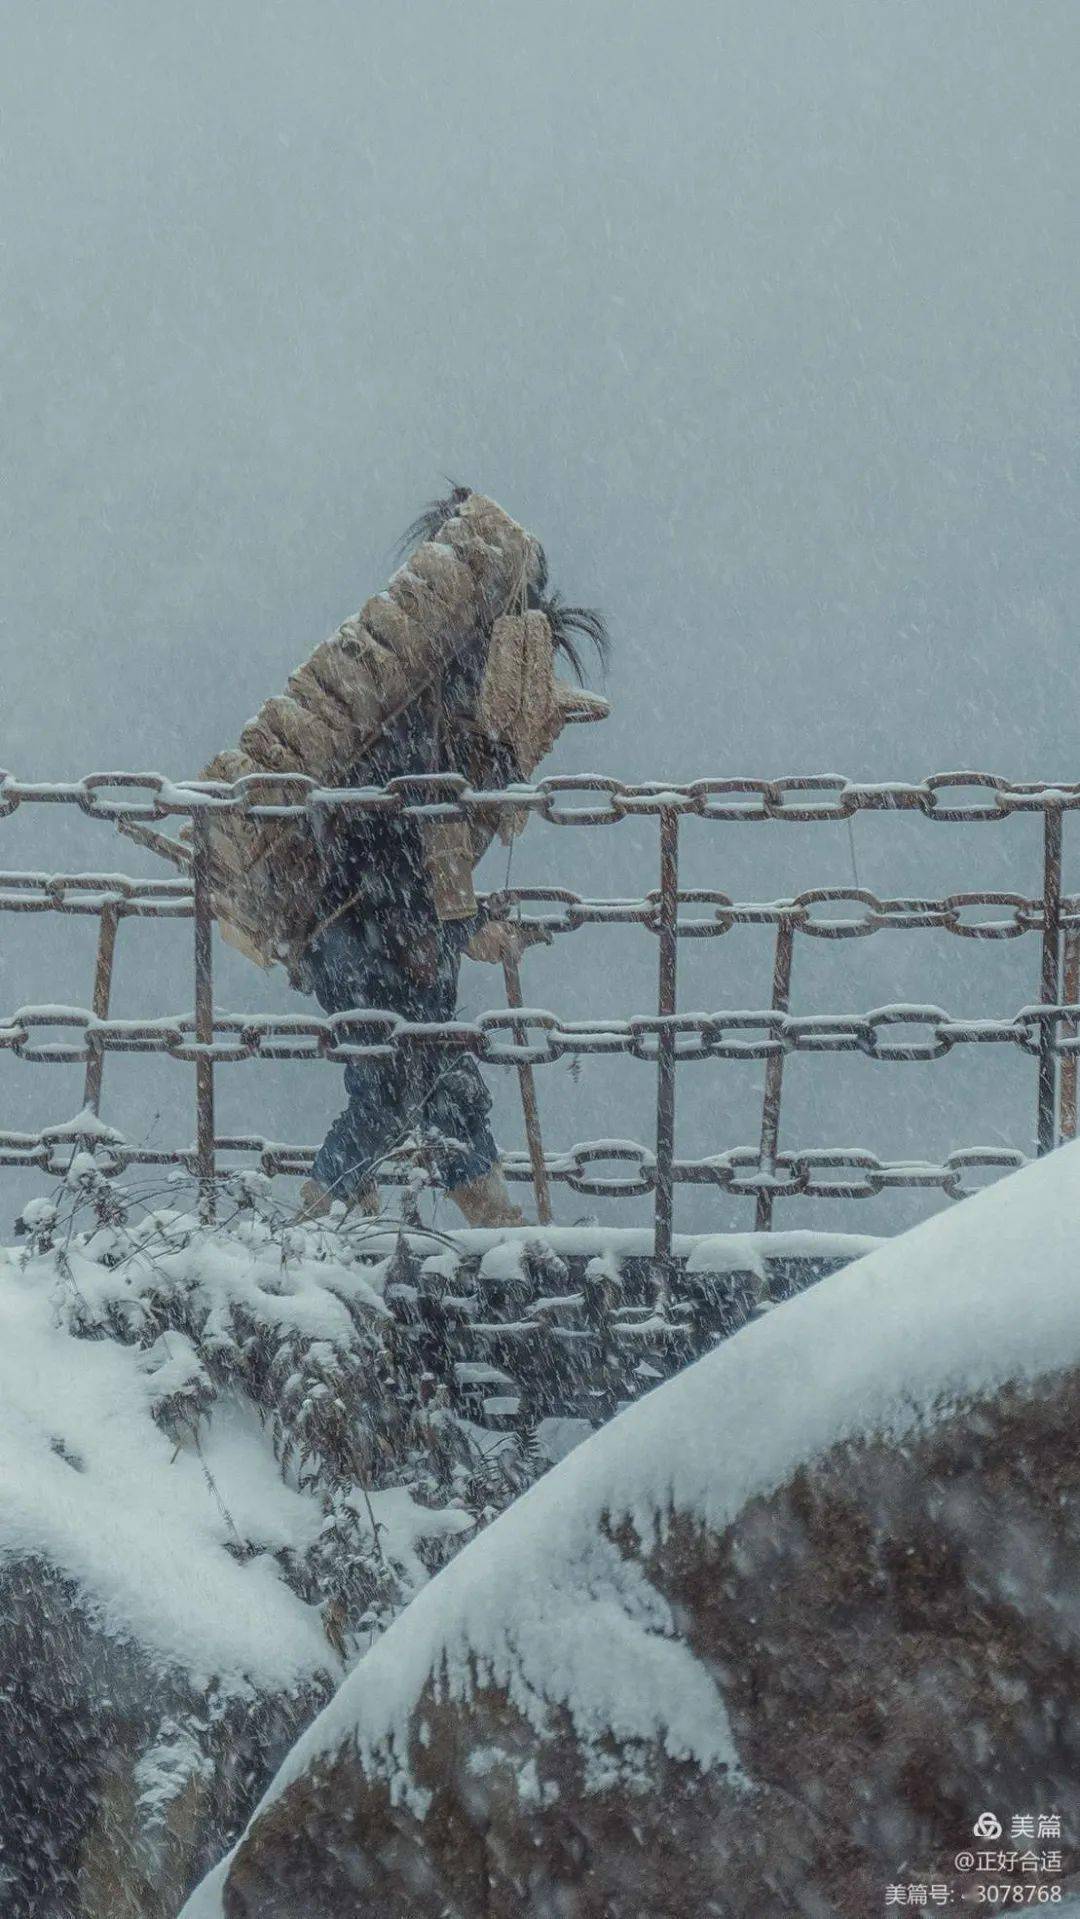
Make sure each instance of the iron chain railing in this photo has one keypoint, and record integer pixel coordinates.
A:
(290, 795)
(524, 1037)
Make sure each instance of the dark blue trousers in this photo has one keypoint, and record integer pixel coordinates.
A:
(432, 1091)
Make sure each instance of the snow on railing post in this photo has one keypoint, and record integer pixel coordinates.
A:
(103, 971)
(668, 922)
(774, 1075)
(530, 1109)
(1046, 1122)
(1071, 988)
(204, 1012)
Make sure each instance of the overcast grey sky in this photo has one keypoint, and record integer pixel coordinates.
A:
(761, 312)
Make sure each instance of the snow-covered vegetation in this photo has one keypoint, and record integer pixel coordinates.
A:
(235, 1450)
(217, 1451)
(564, 1610)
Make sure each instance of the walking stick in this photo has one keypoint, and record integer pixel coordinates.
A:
(528, 1099)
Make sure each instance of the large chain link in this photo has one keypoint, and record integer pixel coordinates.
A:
(811, 1173)
(529, 1036)
(798, 798)
(89, 893)
(967, 915)
(817, 912)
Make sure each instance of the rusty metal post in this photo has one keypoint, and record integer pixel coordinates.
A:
(1071, 991)
(106, 948)
(774, 1074)
(204, 1013)
(1046, 1120)
(665, 1048)
(529, 1107)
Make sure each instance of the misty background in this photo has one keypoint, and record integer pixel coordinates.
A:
(763, 316)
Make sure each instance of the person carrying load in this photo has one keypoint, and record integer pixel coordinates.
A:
(452, 669)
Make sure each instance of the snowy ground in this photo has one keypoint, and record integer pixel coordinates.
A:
(95, 1481)
(972, 1298)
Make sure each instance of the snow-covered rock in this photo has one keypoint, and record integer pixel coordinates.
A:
(768, 1643)
(231, 1453)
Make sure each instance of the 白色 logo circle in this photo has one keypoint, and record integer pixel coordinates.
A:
(987, 1827)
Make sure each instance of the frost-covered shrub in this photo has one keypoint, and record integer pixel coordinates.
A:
(286, 1325)
(224, 1470)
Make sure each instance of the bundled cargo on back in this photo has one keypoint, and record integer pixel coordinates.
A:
(473, 576)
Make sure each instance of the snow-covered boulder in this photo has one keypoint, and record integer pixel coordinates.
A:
(768, 1643)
